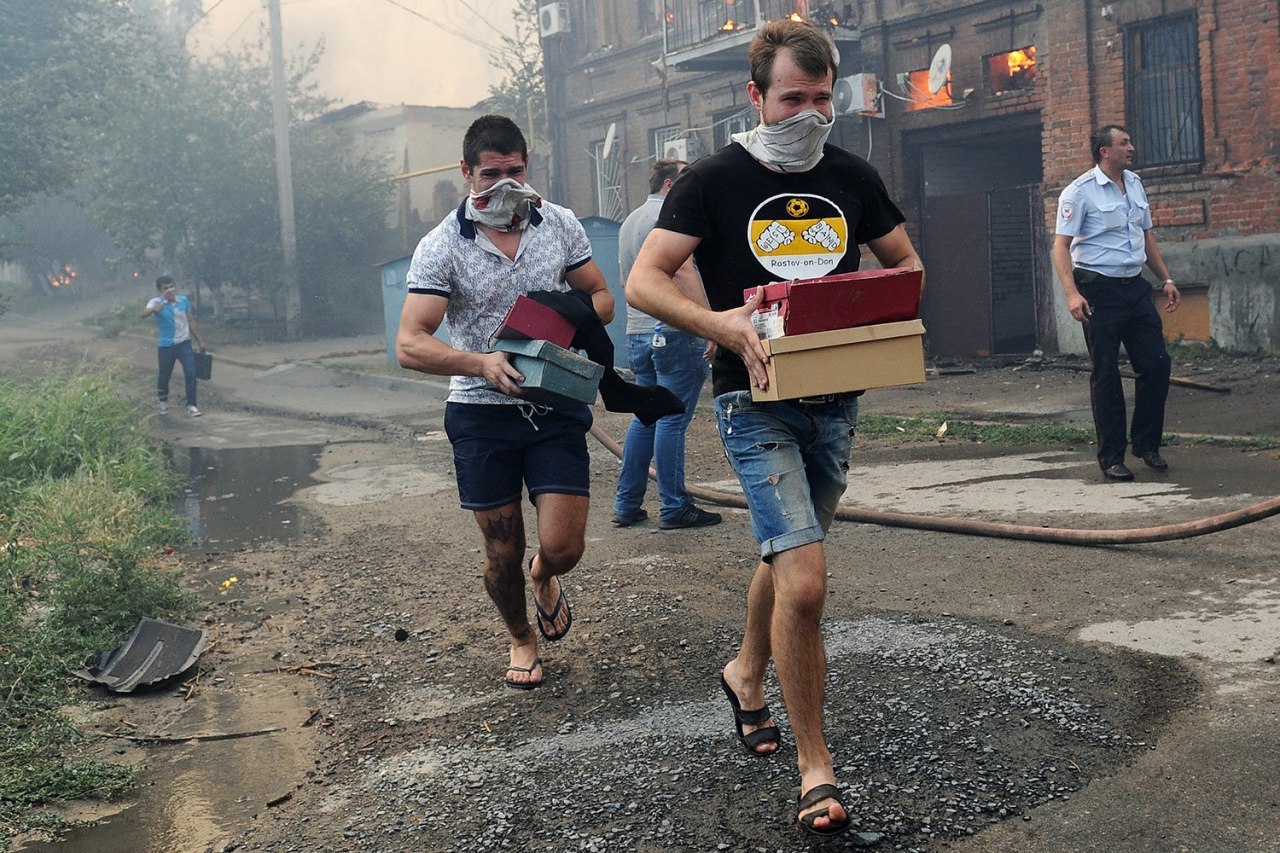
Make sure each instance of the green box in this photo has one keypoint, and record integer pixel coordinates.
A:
(552, 374)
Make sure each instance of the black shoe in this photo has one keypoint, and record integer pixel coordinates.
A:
(1154, 460)
(1118, 472)
(626, 519)
(689, 516)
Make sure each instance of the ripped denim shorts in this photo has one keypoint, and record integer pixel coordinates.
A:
(792, 459)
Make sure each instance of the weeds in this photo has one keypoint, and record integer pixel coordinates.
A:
(925, 427)
(116, 319)
(84, 510)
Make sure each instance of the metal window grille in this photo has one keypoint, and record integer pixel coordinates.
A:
(1162, 75)
(660, 136)
(608, 182)
(692, 22)
(727, 125)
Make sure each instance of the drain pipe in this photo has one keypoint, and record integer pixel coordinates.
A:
(997, 530)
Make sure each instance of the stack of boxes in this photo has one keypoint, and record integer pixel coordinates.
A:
(840, 333)
(537, 340)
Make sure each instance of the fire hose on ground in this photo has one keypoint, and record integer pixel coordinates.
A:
(999, 530)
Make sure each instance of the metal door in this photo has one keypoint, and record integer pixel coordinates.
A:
(957, 294)
(980, 260)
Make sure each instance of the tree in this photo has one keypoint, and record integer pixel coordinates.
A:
(62, 63)
(522, 95)
(188, 172)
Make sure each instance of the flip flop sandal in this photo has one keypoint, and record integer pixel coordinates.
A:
(817, 794)
(547, 621)
(525, 685)
(741, 718)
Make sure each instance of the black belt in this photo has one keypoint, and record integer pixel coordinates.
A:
(1086, 277)
(826, 399)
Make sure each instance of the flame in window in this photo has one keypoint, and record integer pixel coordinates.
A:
(1021, 60)
(1012, 71)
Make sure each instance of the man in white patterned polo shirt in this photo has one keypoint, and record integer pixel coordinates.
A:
(504, 241)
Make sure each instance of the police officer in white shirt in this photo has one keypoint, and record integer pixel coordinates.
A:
(1102, 240)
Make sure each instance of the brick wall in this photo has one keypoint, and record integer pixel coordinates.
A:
(608, 75)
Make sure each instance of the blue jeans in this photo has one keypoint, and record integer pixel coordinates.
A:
(184, 354)
(679, 368)
(792, 459)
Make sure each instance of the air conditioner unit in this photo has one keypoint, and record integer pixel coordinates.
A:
(676, 149)
(858, 94)
(553, 19)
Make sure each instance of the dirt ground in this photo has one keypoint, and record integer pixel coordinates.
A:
(983, 693)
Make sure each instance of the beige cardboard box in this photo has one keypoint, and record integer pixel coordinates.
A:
(844, 360)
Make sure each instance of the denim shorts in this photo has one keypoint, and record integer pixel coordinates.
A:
(499, 448)
(792, 459)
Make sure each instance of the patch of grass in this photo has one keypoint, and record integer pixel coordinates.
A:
(1200, 351)
(925, 428)
(55, 426)
(84, 516)
(117, 319)
(1240, 442)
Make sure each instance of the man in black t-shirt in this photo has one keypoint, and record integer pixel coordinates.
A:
(776, 204)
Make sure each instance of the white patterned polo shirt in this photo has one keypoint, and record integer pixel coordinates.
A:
(457, 261)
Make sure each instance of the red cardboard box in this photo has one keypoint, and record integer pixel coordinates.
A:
(529, 320)
(864, 298)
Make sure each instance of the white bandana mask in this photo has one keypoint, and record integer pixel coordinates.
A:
(504, 206)
(794, 145)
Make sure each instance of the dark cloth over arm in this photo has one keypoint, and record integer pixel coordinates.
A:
(590, 336)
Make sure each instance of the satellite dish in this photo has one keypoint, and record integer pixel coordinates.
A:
(940, 69)
(609, 135)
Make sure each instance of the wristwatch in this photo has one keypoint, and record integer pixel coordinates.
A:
(1167, 281)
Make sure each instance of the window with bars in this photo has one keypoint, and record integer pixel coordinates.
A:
(660, 136)
(608, 182)
(735, 121)
(1162, 82)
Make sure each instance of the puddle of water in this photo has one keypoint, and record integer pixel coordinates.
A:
(198, 796)
(236, 497)
(182, 820)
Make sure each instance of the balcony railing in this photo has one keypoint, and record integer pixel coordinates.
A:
(693, 23)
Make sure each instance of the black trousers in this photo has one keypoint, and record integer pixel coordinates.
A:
(1123, 314)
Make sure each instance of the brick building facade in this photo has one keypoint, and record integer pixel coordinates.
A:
(977, 165)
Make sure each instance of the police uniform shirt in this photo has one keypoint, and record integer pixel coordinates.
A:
(1106, 225)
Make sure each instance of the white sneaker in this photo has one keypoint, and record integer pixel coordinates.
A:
(164, 407)
(193, 411)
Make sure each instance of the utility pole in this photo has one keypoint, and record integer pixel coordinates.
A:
(284, 178)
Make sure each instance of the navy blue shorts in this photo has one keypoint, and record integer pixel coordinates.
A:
(498, 449)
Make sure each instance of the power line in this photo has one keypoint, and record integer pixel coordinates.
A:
(482, 18)
(459, 33)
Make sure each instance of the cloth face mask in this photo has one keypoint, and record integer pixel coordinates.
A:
(794, 145)
(504, 206)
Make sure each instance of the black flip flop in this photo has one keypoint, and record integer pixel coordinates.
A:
(548, 620)
(817, 794)
(525, 685)
(769, 734)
